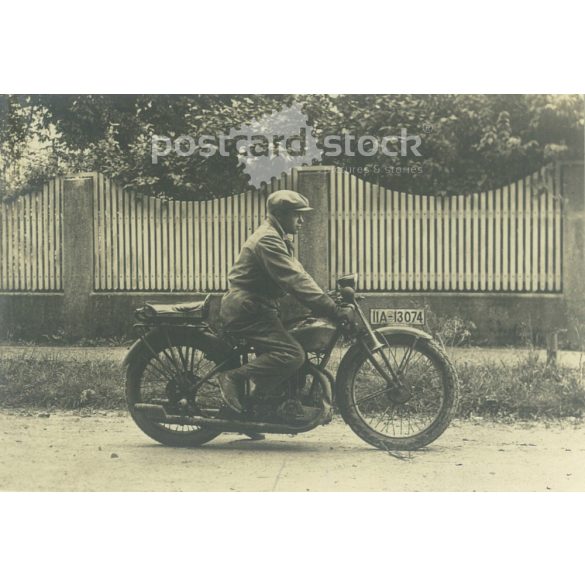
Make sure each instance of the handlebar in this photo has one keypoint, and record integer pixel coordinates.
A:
(336, 296)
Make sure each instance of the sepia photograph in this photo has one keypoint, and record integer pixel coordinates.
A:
(292, 292)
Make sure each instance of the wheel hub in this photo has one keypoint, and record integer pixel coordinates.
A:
(179, 391)
(398, 394)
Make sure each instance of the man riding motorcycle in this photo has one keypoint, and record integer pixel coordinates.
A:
(265, 271)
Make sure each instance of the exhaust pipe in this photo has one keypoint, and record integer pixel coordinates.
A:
(157, 413)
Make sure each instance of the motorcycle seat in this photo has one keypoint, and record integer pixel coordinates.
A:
(191, 311)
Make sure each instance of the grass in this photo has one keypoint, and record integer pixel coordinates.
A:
(49, 382)
(525, 390)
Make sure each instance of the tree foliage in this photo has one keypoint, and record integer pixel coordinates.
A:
(468, 142)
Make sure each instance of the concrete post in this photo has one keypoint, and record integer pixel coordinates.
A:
(313, 183)
(571, 175)
(77, 254)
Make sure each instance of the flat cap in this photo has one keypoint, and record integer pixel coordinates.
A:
(286, 200)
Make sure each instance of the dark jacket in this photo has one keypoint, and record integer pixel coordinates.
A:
(265, 271)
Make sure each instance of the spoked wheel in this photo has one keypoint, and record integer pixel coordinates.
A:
(168, 374)
(414, 408)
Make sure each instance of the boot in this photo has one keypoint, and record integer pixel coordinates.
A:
(230, 391)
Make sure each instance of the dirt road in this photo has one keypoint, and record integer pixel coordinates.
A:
(107, 452)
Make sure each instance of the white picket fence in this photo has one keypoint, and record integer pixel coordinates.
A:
(31, 240)
(145, 243)
(506, 240)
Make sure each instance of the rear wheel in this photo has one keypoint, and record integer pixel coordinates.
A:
(167, 374)
(408, 413)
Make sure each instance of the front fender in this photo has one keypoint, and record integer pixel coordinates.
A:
(397, 329)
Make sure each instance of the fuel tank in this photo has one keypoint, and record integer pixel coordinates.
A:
(314, 334)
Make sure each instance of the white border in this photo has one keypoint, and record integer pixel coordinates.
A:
(495, 47)
(305, 47)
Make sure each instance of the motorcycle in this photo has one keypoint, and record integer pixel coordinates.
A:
(394, 386)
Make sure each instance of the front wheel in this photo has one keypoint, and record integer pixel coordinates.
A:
(412, 410)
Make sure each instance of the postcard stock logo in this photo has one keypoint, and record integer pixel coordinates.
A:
(277, 142)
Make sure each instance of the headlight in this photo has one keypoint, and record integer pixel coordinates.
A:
(347, 280)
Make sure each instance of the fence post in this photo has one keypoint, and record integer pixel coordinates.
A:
(573, 275)
(77, 254)
(313, 183)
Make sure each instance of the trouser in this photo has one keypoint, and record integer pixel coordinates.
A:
(280, 355)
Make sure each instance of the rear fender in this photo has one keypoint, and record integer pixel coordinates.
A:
(209, 338)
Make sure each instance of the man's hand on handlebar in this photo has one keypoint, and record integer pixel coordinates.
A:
(336, 296)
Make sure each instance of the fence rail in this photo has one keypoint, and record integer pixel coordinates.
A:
(31, 240)
(507, 239)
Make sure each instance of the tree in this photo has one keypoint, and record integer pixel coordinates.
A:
(467, 142)
(20, 157)
(113, 134)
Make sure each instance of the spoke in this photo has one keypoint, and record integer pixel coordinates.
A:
(172, 364)
(418, 358)
(370, 396)
(199, 361)
(170, 373)
(389, 420)
(168, 352)
(162, 372)
(170, 346)
(373, 376)
(381, 417)
(418, 374)
(182, 358)
(181, 372)
(378, 420)
(394, 356)
(406, 358)
(188, 354)
(210, 374)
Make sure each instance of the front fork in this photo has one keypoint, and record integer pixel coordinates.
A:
(387, 373)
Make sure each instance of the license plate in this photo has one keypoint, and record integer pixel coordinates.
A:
(397, 316)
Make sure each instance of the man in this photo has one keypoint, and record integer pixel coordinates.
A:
(265, 271)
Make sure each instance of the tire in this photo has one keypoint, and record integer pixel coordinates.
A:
(416, 415)
(182, 356)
